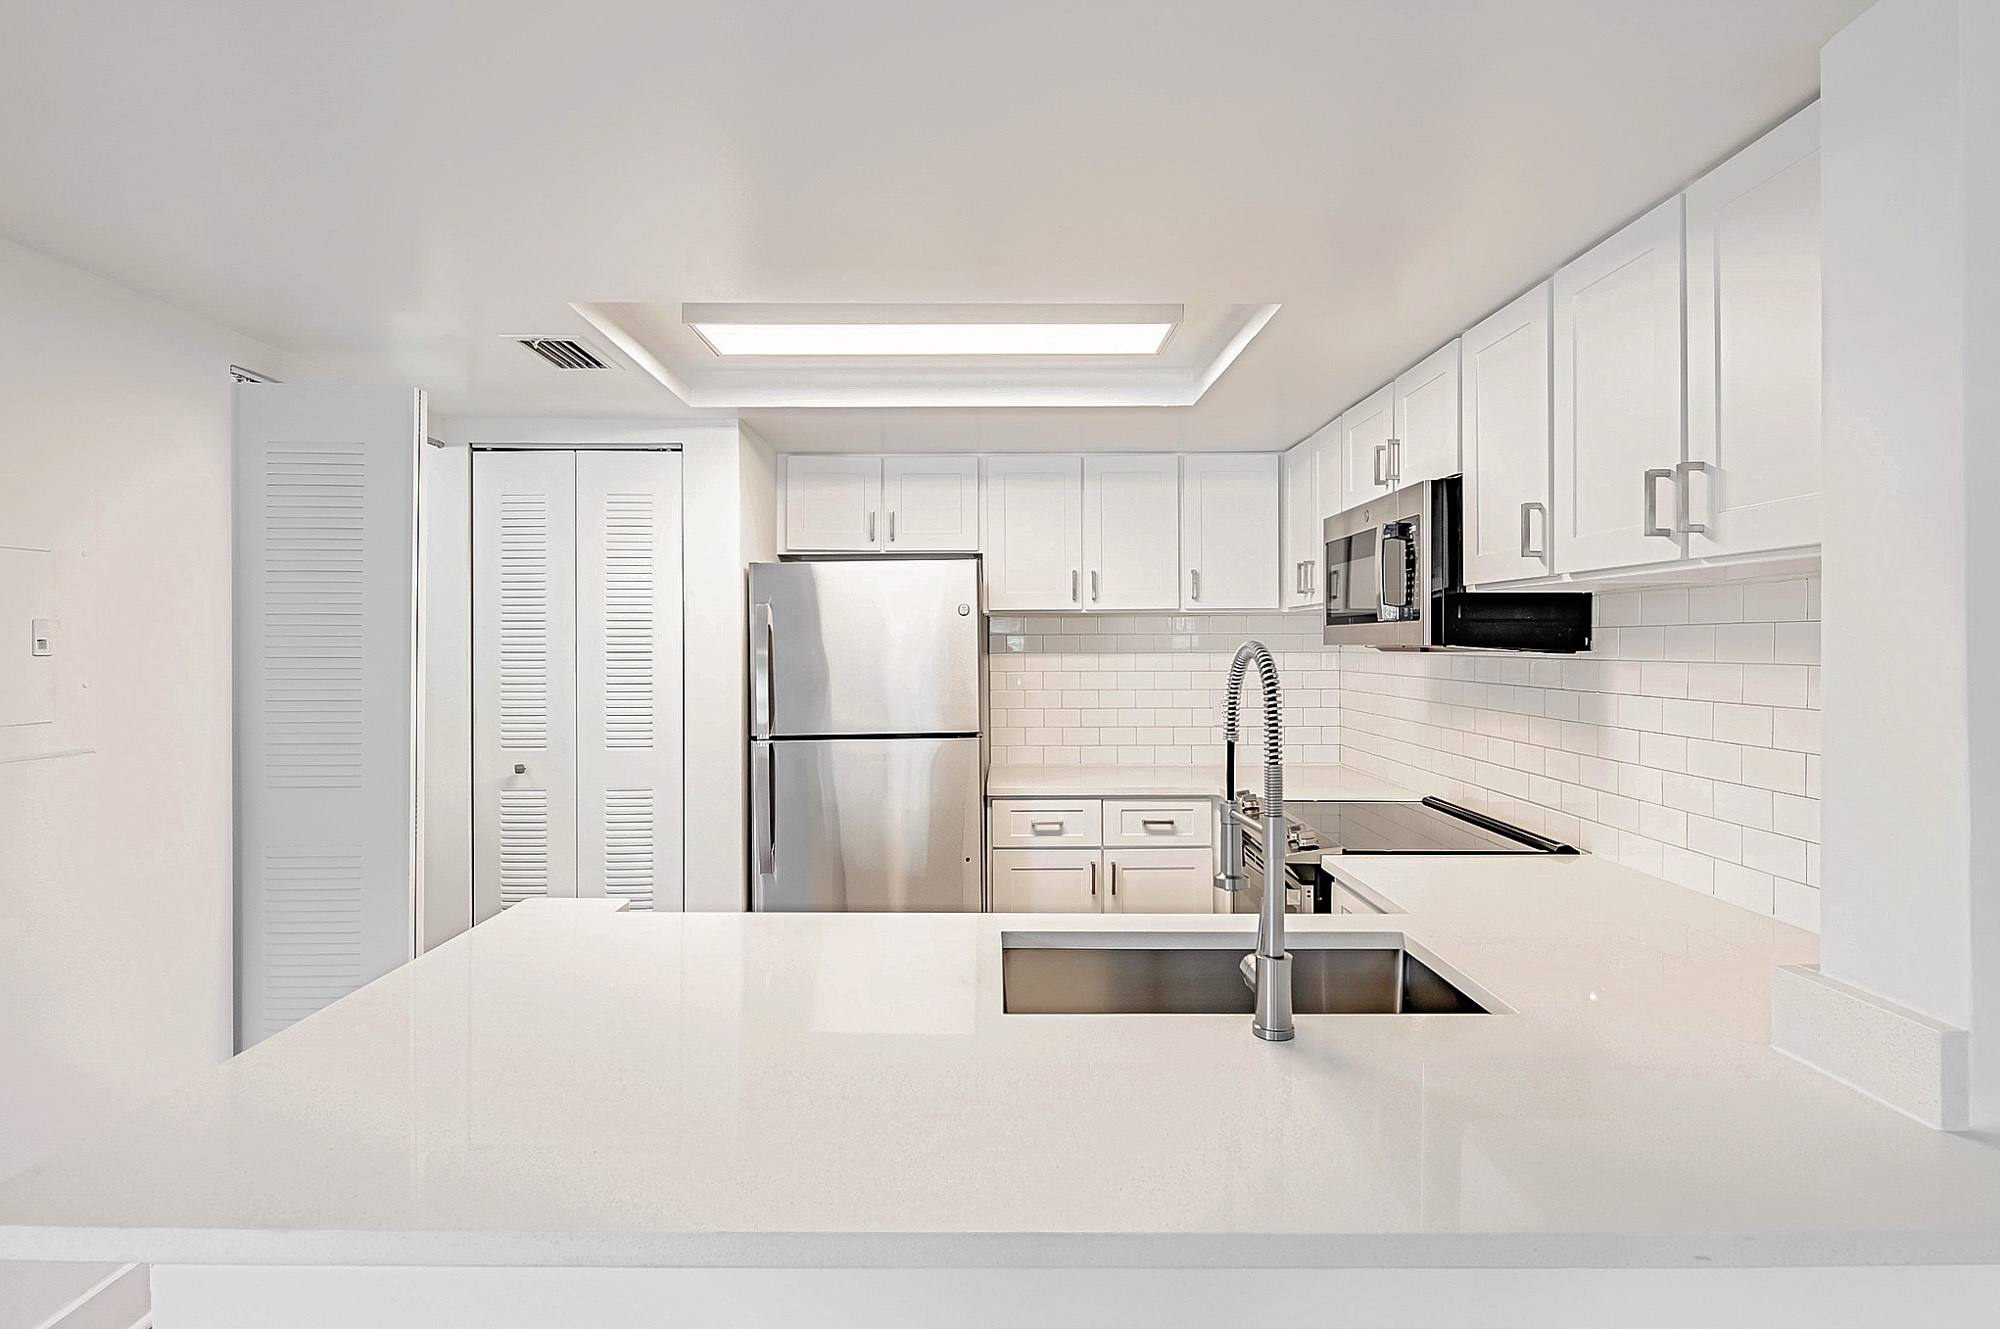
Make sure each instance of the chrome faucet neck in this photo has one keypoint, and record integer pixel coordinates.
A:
(1272, 964)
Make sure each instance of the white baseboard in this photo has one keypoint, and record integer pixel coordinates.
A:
(1917, 1065)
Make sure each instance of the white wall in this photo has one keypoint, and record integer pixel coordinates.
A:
(115, 875)
(731, 501)
(1912, 316)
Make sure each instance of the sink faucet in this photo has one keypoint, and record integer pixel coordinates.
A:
(1269, 971)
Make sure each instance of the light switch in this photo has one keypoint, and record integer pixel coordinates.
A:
(42, 636)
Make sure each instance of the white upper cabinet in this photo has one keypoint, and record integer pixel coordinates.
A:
(1617, 371)
(833, 504)
(1506, 442)
(931, 503)
(1425, 443)
(1131, 532)
(1302, 548)
(1752, 478)
(1330, 461)
(1033, 533)
(1365, 432)
(1229, 531)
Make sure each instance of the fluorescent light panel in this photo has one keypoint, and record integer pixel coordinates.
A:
(915, 330)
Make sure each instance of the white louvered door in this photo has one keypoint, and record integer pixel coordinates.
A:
(628, 733)
(325, 627)
(576, 677)
(523, 678)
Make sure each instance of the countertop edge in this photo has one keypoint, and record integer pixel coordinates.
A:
(1052, 1250)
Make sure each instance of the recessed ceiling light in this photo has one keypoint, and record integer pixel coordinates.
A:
(906, 330)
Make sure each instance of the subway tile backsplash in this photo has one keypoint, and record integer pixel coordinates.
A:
(1109, 690)
(1686, 744)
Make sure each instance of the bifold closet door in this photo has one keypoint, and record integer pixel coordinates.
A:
(523, 678)
(628, 677)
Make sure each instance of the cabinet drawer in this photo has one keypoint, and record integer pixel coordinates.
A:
(1046, 881)
(1163, 823)
(1044, 823)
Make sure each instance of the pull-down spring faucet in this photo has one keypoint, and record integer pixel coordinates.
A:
(1271, 966)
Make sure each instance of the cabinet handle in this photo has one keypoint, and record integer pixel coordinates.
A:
(1682, 490)
(1194, 583)
(1527, 526)
(1093, 877)
(1073, 576)
(1114, 876)
(1653, 479)
(871, 528)
(1395, 462)
(1381, 456)
(1046, 827)
(1093, 585)
(1149, 822)
(1306, 588)
(892, 526)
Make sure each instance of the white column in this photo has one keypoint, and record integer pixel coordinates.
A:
(1908, 1004)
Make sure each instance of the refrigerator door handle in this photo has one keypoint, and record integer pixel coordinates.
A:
(763, 671)
(764, 810)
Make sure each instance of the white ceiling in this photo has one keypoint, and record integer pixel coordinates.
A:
(388, 186)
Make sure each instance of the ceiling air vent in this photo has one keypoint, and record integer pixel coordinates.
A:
(563, 353)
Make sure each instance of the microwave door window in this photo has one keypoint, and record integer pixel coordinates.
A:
(1353, 594)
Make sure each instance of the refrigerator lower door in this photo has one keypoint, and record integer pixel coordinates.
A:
(866, 825)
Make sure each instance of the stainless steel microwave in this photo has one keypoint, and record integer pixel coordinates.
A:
(1394, 580)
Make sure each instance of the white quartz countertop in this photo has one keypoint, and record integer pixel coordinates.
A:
(570, 1085)
(1302, 782)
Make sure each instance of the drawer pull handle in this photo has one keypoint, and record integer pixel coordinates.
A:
(1046, 827)
(1150, 822)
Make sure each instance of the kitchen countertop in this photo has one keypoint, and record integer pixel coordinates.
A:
(1301, 782)
(569, 1085)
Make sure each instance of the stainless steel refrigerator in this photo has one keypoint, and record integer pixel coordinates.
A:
(866, 765)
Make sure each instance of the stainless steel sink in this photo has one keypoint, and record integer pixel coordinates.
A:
(1198, 973)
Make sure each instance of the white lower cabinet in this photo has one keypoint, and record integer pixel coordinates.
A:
(1046, 881)
(1143, 856)
(1159, 881)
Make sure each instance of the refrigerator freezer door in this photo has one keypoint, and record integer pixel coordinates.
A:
(866, 825)
(877, 646)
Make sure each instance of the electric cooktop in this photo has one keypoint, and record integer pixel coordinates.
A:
(1433, 826)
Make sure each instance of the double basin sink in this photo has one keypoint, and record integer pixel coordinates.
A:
(1200, 973)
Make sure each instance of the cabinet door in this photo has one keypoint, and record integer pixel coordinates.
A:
(1229, 531)
(1506, 442)
(1617, 370)
(1365, 432)
(1131, 532)
(1046, 881)
(1753, 305)
(1426, 437)
(1329, 459)
(1159, 881)
(1302, 545)
(931, 503)
(1034, 533)
(833, 503)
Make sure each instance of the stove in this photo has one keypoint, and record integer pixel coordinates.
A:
(1314, 829)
